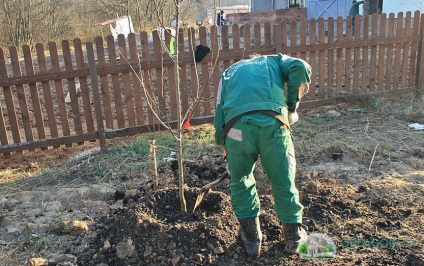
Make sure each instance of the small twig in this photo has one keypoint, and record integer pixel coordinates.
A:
(373, 155)
(10, 252)
(399, 124)
(164, 147)
(367, 126)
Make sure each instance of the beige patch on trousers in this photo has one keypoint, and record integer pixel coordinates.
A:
(291, 160)
(235, 134)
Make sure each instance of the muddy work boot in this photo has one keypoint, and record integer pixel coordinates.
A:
(294, 235)
(251, 236)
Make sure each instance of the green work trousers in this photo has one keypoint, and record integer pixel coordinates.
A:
(244, 144)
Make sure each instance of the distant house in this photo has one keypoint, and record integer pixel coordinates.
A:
(121, 25)
(335, 8)
(327, 8)
(262, 5)
(273, 11)
(213, 11)
(315, 8)
(396, 6)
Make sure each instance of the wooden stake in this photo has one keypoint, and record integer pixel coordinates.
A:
(373, 155)
(153, 162)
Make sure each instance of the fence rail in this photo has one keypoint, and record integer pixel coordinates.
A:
(107, 88)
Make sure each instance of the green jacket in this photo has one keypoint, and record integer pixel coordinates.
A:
(354, 10)
(258, 84)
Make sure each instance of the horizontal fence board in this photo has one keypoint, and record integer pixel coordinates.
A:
(43, 77)
(131, 131)
(51, 142)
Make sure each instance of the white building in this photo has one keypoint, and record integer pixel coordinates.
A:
(396, 6)
(213, 11)
(335, 8)
(121, 25)
(261, 5)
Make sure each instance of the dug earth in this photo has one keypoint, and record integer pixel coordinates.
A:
(360, 180)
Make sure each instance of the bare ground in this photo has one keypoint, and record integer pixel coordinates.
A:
(360, 176)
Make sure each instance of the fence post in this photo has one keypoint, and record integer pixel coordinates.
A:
(96, 95)
(420, 62)
(278, 44)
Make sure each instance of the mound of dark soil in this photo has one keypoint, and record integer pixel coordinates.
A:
(152, 230)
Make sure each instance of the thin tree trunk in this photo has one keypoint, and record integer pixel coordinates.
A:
(179, 114)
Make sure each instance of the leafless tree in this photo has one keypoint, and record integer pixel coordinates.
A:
(178, 134)
(152, 102)
(20, 17)
(33, 21)
(58, 19)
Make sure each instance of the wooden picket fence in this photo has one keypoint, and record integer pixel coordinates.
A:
(123, 88)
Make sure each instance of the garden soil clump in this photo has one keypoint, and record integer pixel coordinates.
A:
(360, 182)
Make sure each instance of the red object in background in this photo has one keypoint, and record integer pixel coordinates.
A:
(186, 124)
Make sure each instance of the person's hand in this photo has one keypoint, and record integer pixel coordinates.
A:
(224, 152)
(303, 89)
(293, 117)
